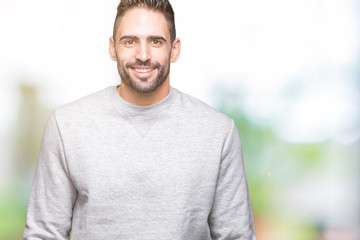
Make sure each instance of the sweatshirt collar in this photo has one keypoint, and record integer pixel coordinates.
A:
(132, 109)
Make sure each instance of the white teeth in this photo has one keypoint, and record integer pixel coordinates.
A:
(143, 70)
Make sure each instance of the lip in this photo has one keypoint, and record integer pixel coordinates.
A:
(147, 71)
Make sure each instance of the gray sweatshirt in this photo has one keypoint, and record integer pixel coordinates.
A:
(108, 169)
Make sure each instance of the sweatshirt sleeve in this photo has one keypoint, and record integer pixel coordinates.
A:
(53, 194)
(231, 216)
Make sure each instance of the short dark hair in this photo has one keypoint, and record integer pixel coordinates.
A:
(162, 6)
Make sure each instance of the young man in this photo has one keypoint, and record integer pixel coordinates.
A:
(140, 160)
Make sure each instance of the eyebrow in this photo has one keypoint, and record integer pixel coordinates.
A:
(153, 37)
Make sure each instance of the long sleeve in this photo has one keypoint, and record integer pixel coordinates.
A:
(231, 216)
(53, 194)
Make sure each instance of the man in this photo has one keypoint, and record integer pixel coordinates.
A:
(140, 160)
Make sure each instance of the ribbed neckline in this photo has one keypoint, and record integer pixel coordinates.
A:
(132, 109)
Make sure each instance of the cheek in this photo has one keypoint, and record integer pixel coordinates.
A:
(162, 56)
(125, 54)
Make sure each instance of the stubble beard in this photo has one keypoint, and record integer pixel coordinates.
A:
(144, 85)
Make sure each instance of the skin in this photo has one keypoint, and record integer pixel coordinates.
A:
(142, 43)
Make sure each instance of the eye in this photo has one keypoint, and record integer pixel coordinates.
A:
(156, 43)
(130, 42)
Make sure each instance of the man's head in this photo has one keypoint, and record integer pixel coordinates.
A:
(144, 44)
(162, 6)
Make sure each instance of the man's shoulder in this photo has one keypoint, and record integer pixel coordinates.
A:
(203, 112)
(89, 104)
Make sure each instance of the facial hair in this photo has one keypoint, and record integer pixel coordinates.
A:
(141, 86)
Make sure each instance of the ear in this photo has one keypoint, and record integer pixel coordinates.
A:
(112, 51)
(175, 50)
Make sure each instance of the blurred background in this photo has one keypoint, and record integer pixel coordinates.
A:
(287, 71)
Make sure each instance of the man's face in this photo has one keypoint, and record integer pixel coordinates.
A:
(143, 49)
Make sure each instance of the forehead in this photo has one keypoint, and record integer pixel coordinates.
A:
(143, 22)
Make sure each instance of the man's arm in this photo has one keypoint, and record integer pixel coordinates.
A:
(231, 216)
(53, 194)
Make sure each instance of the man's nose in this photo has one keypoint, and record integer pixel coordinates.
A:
(143, 52)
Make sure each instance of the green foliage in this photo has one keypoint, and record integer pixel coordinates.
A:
(310, 156)
(273, 165)
(12, 216)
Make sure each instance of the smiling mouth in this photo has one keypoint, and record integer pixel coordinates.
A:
(142, 70)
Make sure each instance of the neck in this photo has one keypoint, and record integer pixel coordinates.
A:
(143, 99)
